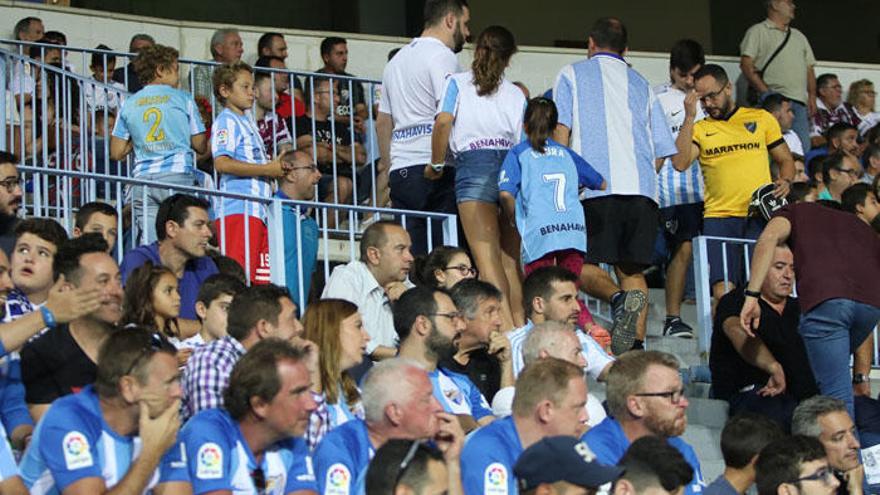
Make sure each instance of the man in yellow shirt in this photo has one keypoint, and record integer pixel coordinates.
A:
(732, 144)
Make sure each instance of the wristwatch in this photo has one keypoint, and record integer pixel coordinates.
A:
(860, 378)
(751, 293)
(438, 166)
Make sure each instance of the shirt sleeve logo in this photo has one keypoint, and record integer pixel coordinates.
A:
(77, 454)
(495, 479)
(338, 481)
(209, 462)
(222, 137)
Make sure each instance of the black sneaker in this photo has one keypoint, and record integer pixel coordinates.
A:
(625, 308)
(674, 327)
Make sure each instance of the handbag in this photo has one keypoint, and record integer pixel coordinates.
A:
(752, 94)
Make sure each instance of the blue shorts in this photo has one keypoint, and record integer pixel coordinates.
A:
(476, 175)
(734, 227)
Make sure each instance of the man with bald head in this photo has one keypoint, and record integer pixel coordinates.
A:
(398, 403)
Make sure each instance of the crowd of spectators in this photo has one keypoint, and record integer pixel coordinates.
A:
(175, 369)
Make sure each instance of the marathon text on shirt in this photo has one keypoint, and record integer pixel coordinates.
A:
(732, 148)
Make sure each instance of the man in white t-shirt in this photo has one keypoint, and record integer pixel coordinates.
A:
(412, 86)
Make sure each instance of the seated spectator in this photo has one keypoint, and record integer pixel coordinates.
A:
(769, 373)
(254, 444)
(416, 468)
(273, 130)
(300, 228)
(374, 282)
(429, 327)
(245, 168)
(97, 218)
(645, 396)
(550, 294)
(287, 102)
(830, 109)
(398, 404)
(212, 307)
(63, 360)
(183, 234)
(28, 29)
(551, 339)
(98, 95)
(330, 142)
(256, 313)
(742, 439)
(334, 53)
(840, 137)
(794, 465)
(120, 432)
(870, 160)
(860, 102)
(337, 328)
(780, 108)
(483, 352)
(652, 466)
(10, 200)
(128, 75)
(162, 153)
(827, 420)
(443, 267)
(272, 45)
(226, 48)
(561, 464)
(839, 171)
(36, 242)
(549, 401)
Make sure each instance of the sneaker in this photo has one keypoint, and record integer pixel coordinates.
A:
(625, 308)
(674, 327)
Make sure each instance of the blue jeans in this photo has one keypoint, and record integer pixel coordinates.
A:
(801, 123)
(831, 332)
(144, 230)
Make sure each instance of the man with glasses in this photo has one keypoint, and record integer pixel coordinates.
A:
(826, 420)
(429, 327)
(839, 171)
(794, 466)
(118, 435)
(416, 468)
(255, 444)
(645, 396)
(830, 108)
(300, 228)
(732, 145)
(10, 200)
(483, 351)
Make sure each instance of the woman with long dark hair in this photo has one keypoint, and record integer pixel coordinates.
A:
(479, 120)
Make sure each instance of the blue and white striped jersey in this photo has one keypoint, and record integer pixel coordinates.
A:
(674, 187)
(237, 137)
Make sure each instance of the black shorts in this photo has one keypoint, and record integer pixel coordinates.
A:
(621, 229)
(681, 223)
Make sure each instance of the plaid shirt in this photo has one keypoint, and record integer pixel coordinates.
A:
(206, 375)
(825, 117)
(322, 419)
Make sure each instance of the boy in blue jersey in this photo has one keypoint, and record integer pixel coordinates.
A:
(121, 432)
(398, 403)
(645, 397)
(550, 399)
(429, 327)
(162, 125)
(245, 167)
(255, 444)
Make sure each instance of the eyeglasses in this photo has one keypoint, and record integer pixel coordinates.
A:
(713, 95)
(404, 464)
(674, 396)
(824, 475)
(463, 269)
(11, 184)
(453, 315)
(156, 344)
(852, 173)
(259, 479)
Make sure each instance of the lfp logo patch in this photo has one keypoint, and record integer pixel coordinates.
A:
(338, 480)
(495, 479)
(209, 462)
(76, 451)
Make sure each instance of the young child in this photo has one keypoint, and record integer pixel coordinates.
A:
(244, 166)
(538, 185)
(212, 305)
(98, 97)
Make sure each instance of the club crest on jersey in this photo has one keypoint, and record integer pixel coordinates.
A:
(77, 454)
(751, 126)
(209, 462)
(495, 479)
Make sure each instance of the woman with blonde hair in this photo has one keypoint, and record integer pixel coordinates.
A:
(479, 119)
(337, 328)
(861, 100)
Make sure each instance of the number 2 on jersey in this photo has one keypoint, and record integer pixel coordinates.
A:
(155, 134)
(559, 189)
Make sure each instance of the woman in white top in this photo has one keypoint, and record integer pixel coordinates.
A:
(861, 100)
(336, 327)
(479, 119)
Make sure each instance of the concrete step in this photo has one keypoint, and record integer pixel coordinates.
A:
(711, 413)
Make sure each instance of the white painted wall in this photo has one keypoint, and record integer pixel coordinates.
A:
(535, 66)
